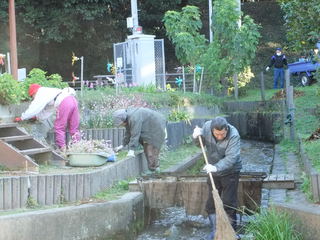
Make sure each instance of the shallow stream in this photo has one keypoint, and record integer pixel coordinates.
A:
(174, 224)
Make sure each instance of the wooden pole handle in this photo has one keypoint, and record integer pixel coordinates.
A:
(207, 162)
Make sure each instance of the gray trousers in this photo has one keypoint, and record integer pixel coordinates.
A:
(152, 155)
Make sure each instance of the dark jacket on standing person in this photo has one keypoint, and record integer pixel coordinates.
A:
(278, 61)
(225, 154)
(144, 125)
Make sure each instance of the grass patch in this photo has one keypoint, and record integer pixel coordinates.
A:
(171, 158)
(196, 169)
(312, 149)
(271, 224)
(115, 192)
(306, 186)
(255, 94)
(287, 146)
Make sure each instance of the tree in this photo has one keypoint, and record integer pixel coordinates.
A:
(233, 48)
(183, 30)
(49, 31)
(302, 22)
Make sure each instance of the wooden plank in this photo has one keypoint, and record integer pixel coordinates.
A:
(319, 184)
(80, 186)
(7, 125)
(42, 190)
(14, 160)
(24, 187)
(65, 187)
(73, 188)
(279, 181)
(7, 190)
(15, 192)
(49, 189)
(289, 177)
(57, 183)
(86, 186)
(279, 185)
(33, 151)
(1, 194)
(272, 177)
(281, 177)
(16, 138)
(315, 187)
(34, 187)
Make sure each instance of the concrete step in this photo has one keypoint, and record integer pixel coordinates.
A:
(16, 138)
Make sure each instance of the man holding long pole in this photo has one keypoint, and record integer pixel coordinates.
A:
(222, 142)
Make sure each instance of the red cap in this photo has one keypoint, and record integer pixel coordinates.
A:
(33, 89)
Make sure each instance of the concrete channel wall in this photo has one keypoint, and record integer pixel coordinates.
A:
(307, 219)
(312, 173)
(119, 219)
(53, 189)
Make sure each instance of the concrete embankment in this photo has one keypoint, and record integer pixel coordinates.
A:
(114, 220)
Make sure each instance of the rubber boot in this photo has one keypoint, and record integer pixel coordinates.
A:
(212, 219)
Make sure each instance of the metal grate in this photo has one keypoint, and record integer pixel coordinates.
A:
(160, 63)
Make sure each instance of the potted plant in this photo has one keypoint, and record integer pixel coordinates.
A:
(90, 153)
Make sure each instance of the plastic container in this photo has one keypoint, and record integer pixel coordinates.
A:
(86, 159)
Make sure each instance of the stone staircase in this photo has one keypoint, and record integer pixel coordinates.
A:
(20, 151)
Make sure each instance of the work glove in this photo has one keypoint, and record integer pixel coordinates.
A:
(119, 148)
(209, 168)
(197, 132)
(17, 119)
(130, 153)
(267, 68)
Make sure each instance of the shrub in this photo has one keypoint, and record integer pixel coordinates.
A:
(38, 76)
(271, 224)
(10, 91)
(97, 107)
(177, 115)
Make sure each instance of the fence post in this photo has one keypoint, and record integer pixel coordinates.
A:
(183, 79)
(201, 79)
(262, 88)
(235, 84)
(291, 112)
(287, 79)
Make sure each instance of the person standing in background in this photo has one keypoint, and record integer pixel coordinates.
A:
(279, 61)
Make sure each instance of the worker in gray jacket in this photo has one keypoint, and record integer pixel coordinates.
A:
(144, 126)
(222, 142)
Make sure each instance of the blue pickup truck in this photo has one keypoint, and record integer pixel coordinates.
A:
(304, 70)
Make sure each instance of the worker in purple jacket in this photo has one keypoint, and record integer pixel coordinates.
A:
(279, 61)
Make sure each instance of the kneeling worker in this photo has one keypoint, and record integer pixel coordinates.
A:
(144, 126)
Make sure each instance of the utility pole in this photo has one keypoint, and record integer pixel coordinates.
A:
(210, 21)
(134, 15)
(13, 40)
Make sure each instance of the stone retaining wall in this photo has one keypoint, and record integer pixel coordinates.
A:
(53, 189)
(119, 219)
